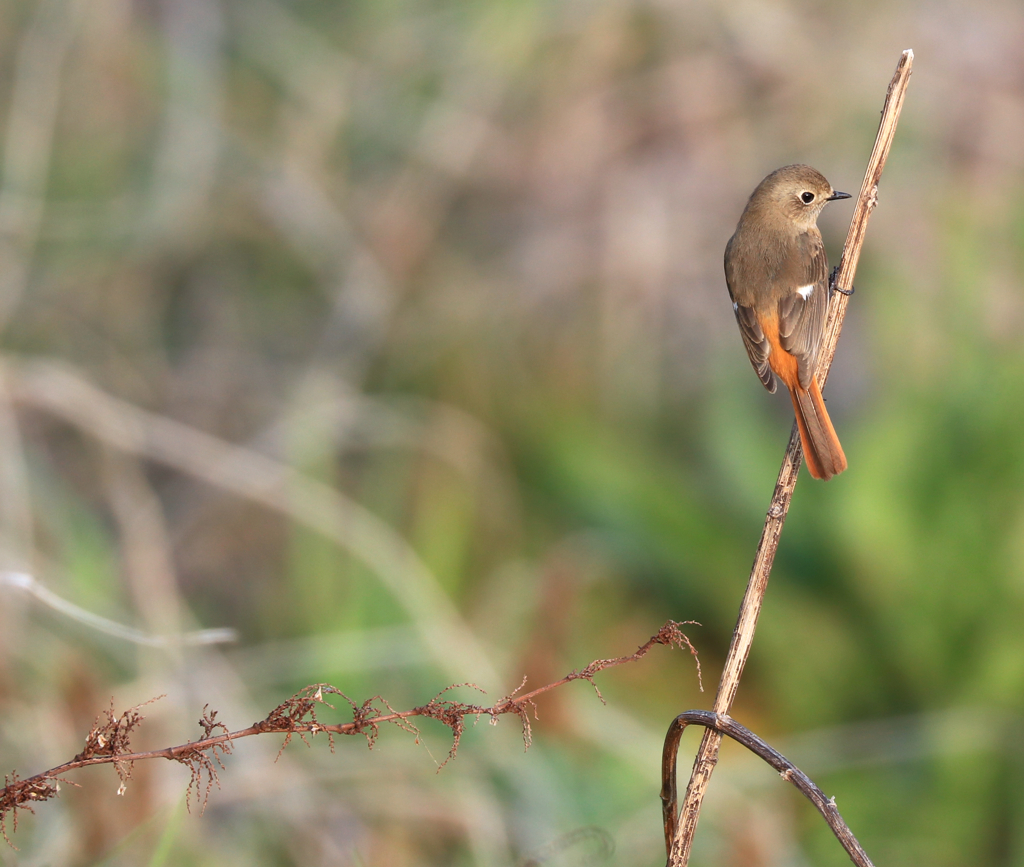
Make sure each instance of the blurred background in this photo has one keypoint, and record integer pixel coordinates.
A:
(393, 336)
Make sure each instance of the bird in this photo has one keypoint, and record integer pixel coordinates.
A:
(777, 274)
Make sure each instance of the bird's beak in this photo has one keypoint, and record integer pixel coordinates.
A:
(837, 195)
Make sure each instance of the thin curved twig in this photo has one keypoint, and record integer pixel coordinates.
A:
(725, 725)
(27, 583)
(750, 608)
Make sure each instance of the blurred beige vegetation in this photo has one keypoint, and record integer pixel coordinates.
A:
(394, 336)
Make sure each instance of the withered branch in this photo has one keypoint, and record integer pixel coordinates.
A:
(109, 740)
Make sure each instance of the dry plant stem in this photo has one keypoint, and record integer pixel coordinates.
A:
(725, 725)
(108, 742)
(750, 608)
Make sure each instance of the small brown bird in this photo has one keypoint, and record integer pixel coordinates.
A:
(777, 273)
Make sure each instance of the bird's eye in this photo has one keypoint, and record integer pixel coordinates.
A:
(807, 197)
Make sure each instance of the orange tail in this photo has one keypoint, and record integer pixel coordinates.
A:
(822, 451)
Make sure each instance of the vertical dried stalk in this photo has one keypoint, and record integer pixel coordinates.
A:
(743, 635)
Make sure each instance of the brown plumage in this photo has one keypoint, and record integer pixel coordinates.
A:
(777, 273)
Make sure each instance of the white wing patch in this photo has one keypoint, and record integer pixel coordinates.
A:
(735, 306)
(805, 291)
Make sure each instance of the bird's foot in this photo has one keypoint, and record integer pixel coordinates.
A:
(835, 287)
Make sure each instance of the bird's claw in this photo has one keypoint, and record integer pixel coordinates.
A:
(835, 287)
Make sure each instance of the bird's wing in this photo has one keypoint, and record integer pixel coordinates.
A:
(802, 308)
(756, 343)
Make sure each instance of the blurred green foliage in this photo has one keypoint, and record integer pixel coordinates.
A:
(461, 263)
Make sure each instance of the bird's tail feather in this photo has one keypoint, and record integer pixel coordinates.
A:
(822, 450)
